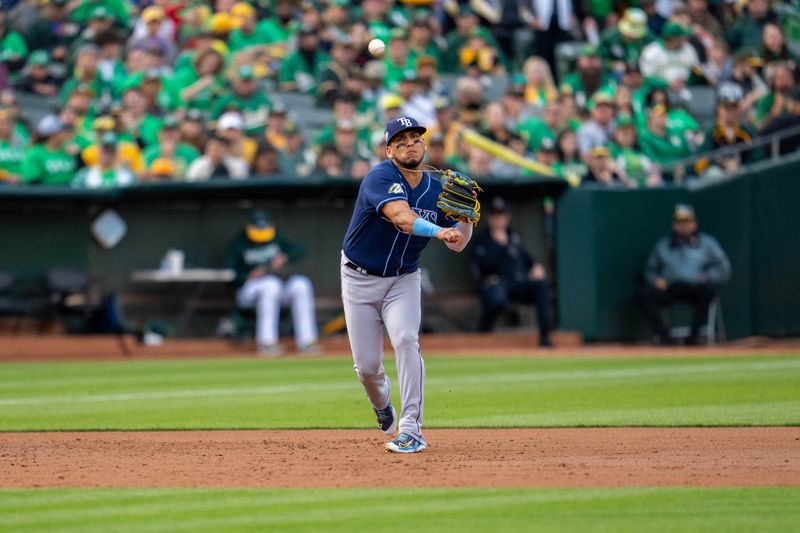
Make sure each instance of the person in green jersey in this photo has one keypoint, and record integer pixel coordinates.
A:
(47, 162)
(170, 147)
(624, 43)
(108, 172)
(203, 82)
(12, 148)
(247, 34)
(300, 70)
(657, 143)
(570, 163)
(118, 9)
(245, 98)
(629, 158)
(588, 77)
(13, 49)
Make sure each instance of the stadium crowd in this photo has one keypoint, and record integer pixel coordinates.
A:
(186, 90)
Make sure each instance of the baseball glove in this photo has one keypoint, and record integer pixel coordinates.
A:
(459, 197)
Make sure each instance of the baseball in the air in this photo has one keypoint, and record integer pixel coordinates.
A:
(376, 47)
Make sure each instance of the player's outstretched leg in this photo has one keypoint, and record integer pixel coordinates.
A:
(402, 315)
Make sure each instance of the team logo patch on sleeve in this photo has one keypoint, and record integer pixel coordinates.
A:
(395, 188)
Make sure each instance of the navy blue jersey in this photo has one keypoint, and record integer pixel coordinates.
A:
(373, 242)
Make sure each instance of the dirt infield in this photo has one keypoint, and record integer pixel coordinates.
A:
(599, 457)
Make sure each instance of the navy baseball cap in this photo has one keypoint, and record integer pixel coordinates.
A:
(399, 125)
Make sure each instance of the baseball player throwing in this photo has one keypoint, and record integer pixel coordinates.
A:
(400, 206)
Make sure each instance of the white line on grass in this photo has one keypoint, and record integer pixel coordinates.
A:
(483, 379)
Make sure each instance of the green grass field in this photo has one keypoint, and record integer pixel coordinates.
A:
(445, 510)
(460, 392)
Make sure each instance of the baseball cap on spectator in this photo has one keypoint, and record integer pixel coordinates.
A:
(152, 74)
(466, 11)
(307, 29)
(683, 212)
(633, 23)
(750, 56)
(278, 108)
(104, 123)
(59, 3)
(374, 70)
(340, 3)
(548, 144)
(625, 121)
(600, 151)
(246, 72)
(222, 23)
(169, 123)
(49, 126)
(194, 114)
(729, 93)
(153, 14)
(659, 109)
(409, 76)
(260, 228)
(346, 125)
(589, 51)
(441, 102)
(230, 121)
(401, 124)
(392, 101)
(600, 98)
(243, 10)
(497, 205)
(291, 128)
(100, 12)
(163, 168)
(108, 139)
(399, 34)
(39, 58)
(426, 61)
(673, 29)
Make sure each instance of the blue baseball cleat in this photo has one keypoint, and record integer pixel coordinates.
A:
(387, 419)
(405, 443)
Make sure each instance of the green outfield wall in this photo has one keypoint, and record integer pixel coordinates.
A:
(46, 227)
(604, 237)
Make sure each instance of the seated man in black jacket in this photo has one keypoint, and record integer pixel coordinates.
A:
(507, 273)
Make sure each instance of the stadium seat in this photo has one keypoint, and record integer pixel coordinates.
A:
(713, 330)
(703, 104)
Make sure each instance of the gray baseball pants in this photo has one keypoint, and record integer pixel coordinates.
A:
(370, 303)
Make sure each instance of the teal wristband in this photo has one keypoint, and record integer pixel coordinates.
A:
(423, 228)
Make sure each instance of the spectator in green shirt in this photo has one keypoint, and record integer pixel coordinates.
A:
(628, 156)
(588, 77)
(397, 59)
(202, 83)
(782, 98)
(119, 9)
(656, 141)
(245, 98)
(335, 74)
(300, 70)
(749, 26)
(85, 72)
(13, 48)
(12, 148)
(624, 43)
(47, 162)
(170, 147)
(108, 172)
(247, 34)
(420, 40)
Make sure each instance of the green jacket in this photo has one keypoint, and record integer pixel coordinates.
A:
(662, 150)
(48, 167)
(294, 67)
(614, 47)
(244, 255)
(254, 110)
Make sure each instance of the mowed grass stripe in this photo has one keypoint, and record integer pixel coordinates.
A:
(460, 392)
(473, 509)
(719, 369)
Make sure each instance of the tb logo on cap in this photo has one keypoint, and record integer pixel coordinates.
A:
(405, 122)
